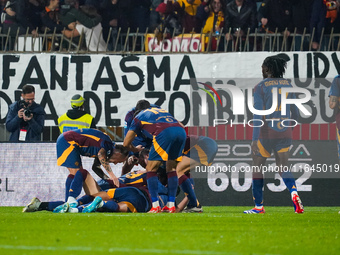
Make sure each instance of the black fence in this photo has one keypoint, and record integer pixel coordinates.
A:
(134, 42)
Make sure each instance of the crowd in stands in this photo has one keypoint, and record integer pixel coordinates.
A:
(95, 19)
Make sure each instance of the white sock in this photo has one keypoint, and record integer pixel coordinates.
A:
(73, 210)
(260, 207)
(170, 204)
(72, 200)
(293, 193)
(155, 204)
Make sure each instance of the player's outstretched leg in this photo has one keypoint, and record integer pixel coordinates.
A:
(62, 208)
(32, 206)
(67, 206)
(97, 203)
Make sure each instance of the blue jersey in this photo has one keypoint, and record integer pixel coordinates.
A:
(263, 100)
(153, 121)
(137, 200)
(89, 141)
(335, 91)
(140, 139)
(71, 145)
(137, 179)
(133, 178)
(129, 118)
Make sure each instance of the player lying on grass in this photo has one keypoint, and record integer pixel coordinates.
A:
(134, 197)
(135, 178)
(127, 199)
(131, 196)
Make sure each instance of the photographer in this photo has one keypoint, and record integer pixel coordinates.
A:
(25, 118)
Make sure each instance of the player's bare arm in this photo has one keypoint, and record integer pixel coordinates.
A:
(105, 163)
(98, 170)
(130, 136)
(129, 164)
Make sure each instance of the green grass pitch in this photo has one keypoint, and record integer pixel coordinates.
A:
(219, 230)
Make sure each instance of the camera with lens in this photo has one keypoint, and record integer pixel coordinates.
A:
(24, 104)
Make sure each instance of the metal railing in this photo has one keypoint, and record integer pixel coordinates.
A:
(134, 42)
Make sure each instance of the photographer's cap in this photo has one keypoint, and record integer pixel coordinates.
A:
(77, 101)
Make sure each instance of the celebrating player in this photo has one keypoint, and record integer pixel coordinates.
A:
(168, 140)
(91, 143)
(140, 139)
(198, 150)
(272, 136)
(132, 179)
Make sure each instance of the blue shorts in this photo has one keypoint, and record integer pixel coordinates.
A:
(135, 199)
(204, 151)
(67, 153)
(266, 146)
(168, 145)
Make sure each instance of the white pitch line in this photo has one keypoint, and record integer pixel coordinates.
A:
(115, 215)
(111, 250)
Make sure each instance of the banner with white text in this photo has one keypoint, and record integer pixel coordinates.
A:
(113, 84)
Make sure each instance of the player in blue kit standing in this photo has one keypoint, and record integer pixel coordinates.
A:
(71, 145)
(139, 140)
(272, 136)
(168, 140)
